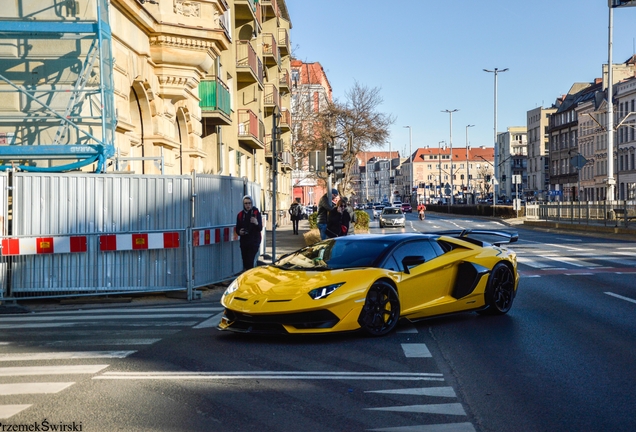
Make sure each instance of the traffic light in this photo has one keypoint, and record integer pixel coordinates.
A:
(503, 177)
(488, 178)
(329, 160)
(338, 162)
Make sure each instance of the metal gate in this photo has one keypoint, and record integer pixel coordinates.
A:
(79, 234)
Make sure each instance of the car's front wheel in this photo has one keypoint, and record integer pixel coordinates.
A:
(381, 310)
(500, 291)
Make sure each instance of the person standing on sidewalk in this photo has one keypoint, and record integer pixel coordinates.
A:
(352, 216)
(295, 214)
(325, 205)
(249, 225)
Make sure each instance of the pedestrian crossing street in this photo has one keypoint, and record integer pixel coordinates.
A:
(541, 260)
(46, 353)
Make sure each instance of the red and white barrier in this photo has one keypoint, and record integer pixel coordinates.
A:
(143, 241)
(213, 236)
(43, 245)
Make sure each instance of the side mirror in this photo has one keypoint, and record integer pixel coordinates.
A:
(412, 261)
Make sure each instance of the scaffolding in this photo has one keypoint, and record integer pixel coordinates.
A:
(57, 105)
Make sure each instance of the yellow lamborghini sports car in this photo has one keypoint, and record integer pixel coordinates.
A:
(369, 282)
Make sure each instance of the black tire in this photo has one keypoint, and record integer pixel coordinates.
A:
(381, 310)
(500, 291)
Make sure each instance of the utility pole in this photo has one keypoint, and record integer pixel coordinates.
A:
(452, 198)
(275, 119)
(467, 164)
(495, 166)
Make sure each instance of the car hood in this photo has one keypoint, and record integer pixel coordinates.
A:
(280, 289)
(392, 216)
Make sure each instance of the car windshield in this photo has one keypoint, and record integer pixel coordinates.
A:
(335, 254)
(393, 211)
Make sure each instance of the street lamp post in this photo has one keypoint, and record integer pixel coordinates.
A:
(467, 162)
(439, 160)
(410, 164)
(494, 198)
(452, 198)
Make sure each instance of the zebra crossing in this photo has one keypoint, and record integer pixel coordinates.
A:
(36, 349)
(539, 261)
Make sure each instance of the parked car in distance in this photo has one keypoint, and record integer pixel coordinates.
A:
(369, 206)
(406, 208)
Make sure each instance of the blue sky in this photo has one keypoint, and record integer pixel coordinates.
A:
(427, 56)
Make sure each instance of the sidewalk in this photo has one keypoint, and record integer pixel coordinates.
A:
(286, 241)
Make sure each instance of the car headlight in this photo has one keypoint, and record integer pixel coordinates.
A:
(323, 292)
(233, 287)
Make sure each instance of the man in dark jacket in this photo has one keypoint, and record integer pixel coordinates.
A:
(296, 214)
(325, 205)
(249, 225)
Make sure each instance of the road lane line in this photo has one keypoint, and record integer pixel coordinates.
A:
(102, 342)
(51, 370)
(416, 350)
(64, 355)
(7, 411)
(447, 409)
(33, 388)
(444, 427)
(621, 297)
(420, 391)
(127, 310)
(210, 322)
(35, 317)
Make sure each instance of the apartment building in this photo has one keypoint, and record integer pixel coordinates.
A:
(372, 174)
(511, 171)
(189, 86)
(538, 182)
(311, 91)
(626, 139)
(471, 170)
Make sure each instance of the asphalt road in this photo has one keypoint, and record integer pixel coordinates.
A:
(560, 360)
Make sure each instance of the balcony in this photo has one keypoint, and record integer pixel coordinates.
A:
(285, 120)
(249, 130)
(284, 81)
(214, 102)
(272, 98)
(249, 68)
(283, 41)
(245, 9)
(270, 9)
(285, 159)
(271, 54)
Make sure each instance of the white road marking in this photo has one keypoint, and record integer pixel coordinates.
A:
(445, 427)
(621, 297)
(210, 322)
(50, 370)
(100, 321)
(407, 327)
(532, 262)
(64, 355)
(103, 342)
(127, 310)
(420, 391)
(7, 411)
(447, 409)
(570, 248)
(390, 376)
(578, 274)
(565, 259)
(416, 350)
(33, 388)
(92, 317)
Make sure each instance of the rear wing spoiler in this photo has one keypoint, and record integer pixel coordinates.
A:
(507, 237)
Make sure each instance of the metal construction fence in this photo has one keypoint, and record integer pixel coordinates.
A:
(607, 213)
(84, 234)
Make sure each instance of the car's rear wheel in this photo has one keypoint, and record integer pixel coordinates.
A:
(381, 310)
(500, 291)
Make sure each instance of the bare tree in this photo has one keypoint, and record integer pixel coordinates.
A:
(355, 126)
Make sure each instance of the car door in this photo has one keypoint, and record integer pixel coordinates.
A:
(427, 282)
